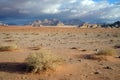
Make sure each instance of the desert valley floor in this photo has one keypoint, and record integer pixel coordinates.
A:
(74, 45)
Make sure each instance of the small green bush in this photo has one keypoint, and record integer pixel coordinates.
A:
(8, 48)
(42, 61)
(107, 52)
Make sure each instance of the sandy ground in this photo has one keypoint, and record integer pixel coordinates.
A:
(69, 44)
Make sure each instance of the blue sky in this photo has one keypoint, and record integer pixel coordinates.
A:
(93, 11)
(113, 1)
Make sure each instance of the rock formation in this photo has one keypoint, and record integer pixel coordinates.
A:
(36, 23)
(46, 22)
(87, 25)
(2, 24)
(112, 25)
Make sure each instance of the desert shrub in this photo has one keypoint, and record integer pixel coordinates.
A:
(102, 54)
(42, 61)
(108, 35)
(9, 40)
(106, 52)
(35, 33)
(116, 35)
(98, 35)
(86, 34)
(112, 40)
(8, 48)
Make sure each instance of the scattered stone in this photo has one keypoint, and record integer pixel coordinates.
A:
(73, 48)
(23, 77)
(41, 79)
(70, 74)
(79, 60)
(95, 49)
(117, 46)
(107, 67)
(118, 57)
(49, 74)
(96, 72)
(84, 50)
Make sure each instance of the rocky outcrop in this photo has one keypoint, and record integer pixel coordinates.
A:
(36, 23)
(51, 22)
(87, 25)
(113, 25)
(2, 24)
(46, 22)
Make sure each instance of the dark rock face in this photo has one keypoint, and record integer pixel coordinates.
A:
(113, 25)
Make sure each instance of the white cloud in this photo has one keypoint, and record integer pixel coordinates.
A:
(72, 1)
(71, 8)
(87, 2)
(39, 7)
(111, 13)
(52, 9)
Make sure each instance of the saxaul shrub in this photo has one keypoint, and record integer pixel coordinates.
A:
(42, 61)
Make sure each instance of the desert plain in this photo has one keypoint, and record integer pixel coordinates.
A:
(74, 45)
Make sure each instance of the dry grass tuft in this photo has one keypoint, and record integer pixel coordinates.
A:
(36, 48)
(8, 48)
(103, 54)
(9, 40)
(42, 61)
(106, 52)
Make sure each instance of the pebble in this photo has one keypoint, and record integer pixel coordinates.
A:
(96, 72)
(118, 56)
(107, 67)
(73, 48)
(79, 60)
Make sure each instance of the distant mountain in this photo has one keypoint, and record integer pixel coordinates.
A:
(73, 22)
(89, 25)
(46, 22)
(52, 22)
(77, 22)
(112, 25)
(55, 22)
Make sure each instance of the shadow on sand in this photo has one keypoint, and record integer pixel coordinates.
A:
(13, 67)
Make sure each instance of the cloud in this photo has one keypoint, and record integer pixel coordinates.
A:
(86, 10)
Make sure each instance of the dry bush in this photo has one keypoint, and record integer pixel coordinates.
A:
(106, 52)
(102, 54)
(8, 48)
(10, 40)
(35, 33)
(42, 61)
(116, 35)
